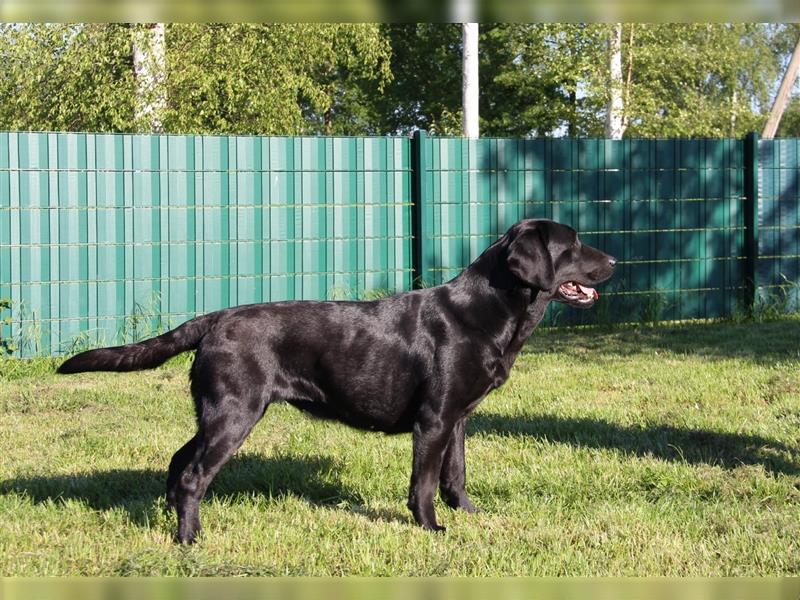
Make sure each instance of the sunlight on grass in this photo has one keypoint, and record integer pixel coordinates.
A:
(669, 450)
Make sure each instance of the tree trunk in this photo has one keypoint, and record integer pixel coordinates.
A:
(150, 70)
(469, 86)
(615, 109)
(783, 95)
(626, 109)
(572, 126)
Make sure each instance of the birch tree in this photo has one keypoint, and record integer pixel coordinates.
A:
(470, 84)
(150, 70)
(615, 111)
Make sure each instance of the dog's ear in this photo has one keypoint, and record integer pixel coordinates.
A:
(529, 260)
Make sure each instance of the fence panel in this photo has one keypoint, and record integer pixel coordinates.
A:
(669, 210)
(105, 238)
(778, 268)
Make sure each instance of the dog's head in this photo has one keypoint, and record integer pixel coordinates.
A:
(550, 257)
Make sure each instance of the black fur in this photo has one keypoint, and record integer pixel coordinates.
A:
(417, 362)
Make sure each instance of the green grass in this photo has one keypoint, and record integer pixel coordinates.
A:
(669, 450)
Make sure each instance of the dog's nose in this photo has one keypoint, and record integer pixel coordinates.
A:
(612, 261)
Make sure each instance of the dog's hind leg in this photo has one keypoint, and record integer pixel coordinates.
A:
(452, 480)
(217, 438)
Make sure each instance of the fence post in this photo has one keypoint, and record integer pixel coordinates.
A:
(751, 218)
(422, 251)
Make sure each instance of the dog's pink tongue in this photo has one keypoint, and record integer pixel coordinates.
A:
(591, 292)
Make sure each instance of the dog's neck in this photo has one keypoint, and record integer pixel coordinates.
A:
(499, 305)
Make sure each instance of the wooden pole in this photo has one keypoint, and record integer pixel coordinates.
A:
(783, 95)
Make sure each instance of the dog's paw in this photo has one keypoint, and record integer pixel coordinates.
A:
(460, 501)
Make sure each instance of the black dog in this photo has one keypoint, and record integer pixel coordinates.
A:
(418, 362)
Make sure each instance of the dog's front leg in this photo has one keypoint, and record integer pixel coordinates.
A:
(430, 438)
(453, 478)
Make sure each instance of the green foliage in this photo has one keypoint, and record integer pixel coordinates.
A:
(776, 302)
(539, 79)
(229, 78)
(377, 294)
(426, 89)
(529, 77)
(145, 321)
(552, 78)
(27, 339)
(652, 308)
(278, 79)
(679, 80)
(771, 303)
(7, 345)
(76, 77)
(790, 122)
(700, 79)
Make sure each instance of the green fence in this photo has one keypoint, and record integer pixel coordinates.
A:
(778, 269)
(105, 238)
(671, 211)
(100, 233)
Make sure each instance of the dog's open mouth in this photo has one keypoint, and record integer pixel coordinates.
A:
(577, 295)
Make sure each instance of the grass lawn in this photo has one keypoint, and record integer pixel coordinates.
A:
(672, 450)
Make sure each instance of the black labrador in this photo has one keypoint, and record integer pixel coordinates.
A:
(417, 362)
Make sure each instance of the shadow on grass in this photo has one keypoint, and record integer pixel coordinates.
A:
(768, 342)
(665, 442)
(137, 490)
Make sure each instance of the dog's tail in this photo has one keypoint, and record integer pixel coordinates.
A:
(142, 355)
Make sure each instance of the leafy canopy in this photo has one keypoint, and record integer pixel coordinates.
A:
(355, 79)
(232, 78)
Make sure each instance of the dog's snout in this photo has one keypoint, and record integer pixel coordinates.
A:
(612, 261)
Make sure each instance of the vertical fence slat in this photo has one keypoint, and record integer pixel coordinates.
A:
(422, 258)
(751, 207)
